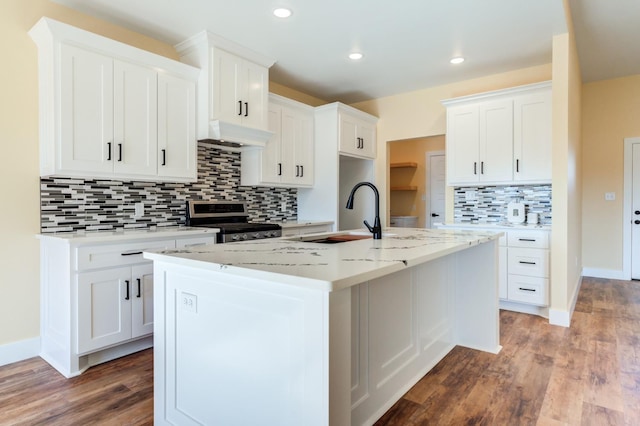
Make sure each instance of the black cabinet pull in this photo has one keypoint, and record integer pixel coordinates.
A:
(527, 289)
(119, 152)
(435, 215)
(301, 171)
(246, 109)
(131, 253)
(240, 109)
(637, 222)
(164, 157)
(517, 166)
(482, 167)
(127, 296)
(138, 295)
(279, 169)
(527, 263)
(636, 212)
(527, 239)
(108, 151)
(475, 167)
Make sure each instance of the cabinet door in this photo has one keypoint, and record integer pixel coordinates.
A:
(272, 166)
(367, 135)
(348, 143)
(177, 143)
(496, 141)
(289, 135)
(104, 308)
(227, 103)
(135, 119)
(142, 300)
(254, 89)
(462, 145)
(532, 138)
(303, 149)
(86, 102)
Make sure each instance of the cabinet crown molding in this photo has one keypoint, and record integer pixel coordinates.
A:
(214, 40)
(47, 32)
(340, 107)
(496, 94)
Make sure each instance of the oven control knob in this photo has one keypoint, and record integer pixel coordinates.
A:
(256, 235)
(235, 237)
(268, 234)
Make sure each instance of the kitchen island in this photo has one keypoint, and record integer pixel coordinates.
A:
(296, 332)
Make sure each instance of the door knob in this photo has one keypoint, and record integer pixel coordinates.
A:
(637, 222)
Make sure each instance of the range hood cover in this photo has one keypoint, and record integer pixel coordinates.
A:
(197, 51)
(230, 132)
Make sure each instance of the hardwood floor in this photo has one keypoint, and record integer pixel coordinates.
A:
(588, 374)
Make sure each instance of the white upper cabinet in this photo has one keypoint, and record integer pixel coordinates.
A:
(106, 110)
(532, 137)
(233, 89)
(357, 136)
(177, 147)
(501, 137)
(287, 159)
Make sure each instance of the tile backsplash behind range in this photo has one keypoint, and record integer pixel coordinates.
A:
(72, 204)
(488, 204)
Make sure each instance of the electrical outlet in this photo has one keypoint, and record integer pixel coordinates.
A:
(609, 196)
(189, 302)
(139, 210)
(283, 206)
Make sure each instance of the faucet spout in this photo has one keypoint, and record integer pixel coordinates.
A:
(376, 229)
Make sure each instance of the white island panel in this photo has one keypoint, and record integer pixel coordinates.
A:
(315, 334)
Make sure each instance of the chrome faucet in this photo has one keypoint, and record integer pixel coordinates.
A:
(376, 229)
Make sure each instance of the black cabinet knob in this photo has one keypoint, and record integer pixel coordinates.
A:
(637, 222)
(637, 212)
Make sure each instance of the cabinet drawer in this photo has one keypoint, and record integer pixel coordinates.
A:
(532, 262)
(529, 239)
(103, 256)
(195, 241)
(531, 290)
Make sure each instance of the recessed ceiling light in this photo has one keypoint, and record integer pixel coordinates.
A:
(355, 56)
(457, 60)
(282, 12)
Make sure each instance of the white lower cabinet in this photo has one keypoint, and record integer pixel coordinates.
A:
(97, 296)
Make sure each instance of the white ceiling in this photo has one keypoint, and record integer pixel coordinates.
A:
(407, 44)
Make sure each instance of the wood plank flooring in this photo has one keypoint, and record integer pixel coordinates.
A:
(588, 374)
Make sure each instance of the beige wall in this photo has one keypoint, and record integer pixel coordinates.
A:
(19, 179)
(410, 203)
(287, 92)
(611, 112)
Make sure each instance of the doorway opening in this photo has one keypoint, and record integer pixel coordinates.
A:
(409, 193)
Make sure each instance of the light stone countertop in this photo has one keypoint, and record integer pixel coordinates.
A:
(497, 226)
(327, 267)
(92, 237)
(300, 222)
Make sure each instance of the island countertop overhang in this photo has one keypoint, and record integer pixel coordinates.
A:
(326, 267)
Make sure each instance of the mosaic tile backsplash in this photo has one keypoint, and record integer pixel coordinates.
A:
(72, 204)
(488, 204)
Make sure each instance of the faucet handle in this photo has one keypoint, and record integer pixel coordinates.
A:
(369, 227)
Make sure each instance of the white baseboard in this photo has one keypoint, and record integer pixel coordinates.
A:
(612, 274)
(18, 351)
(563, 318)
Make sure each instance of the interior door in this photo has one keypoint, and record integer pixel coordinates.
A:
(635, 213)
(436, 186)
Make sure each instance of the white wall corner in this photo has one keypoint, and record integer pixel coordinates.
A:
(19, 351)
(563, 318)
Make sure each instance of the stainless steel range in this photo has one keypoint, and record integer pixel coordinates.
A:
(232, 220)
